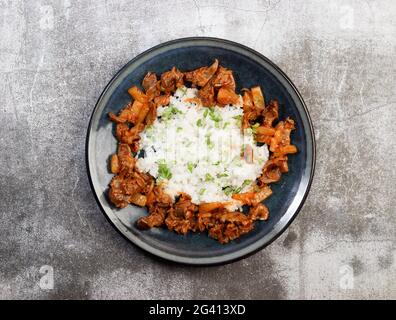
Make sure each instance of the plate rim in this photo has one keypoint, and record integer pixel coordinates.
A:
(207, 261)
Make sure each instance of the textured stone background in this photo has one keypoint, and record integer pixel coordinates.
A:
(55, 59)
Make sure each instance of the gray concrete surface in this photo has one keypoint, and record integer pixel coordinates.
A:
(56, 57)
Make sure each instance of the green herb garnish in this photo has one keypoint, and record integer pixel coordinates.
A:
(169, 112)
(254, 127)
(199, 123)
(190, 166)
(246, 183)
(239, 189)
(232, 190)
(163, 170)
(209, 143)
(214, 115)
(238, 119)
(208, 177)
(202, 191)
(242, 152)
(228, 190)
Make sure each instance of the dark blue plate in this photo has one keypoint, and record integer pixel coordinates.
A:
(250, 69)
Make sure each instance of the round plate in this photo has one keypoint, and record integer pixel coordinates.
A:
(250, 69)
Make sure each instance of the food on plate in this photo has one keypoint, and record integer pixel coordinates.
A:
(198, 155)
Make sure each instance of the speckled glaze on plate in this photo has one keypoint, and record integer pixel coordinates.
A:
(250, 69)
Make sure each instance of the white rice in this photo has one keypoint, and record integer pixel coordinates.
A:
(201, 149)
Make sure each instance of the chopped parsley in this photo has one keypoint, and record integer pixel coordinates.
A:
(208, 177)
(214, 115)
(238, 119)
(225, 125)
(169, 112)
(228, 190)
(232, 190)
(202, 191)
(191, 166)
(199, 123)
(246, 183)
(163, 170)
(249, 131)
(254, 127)
(237, 190)
(243, 147)
(209, 142)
